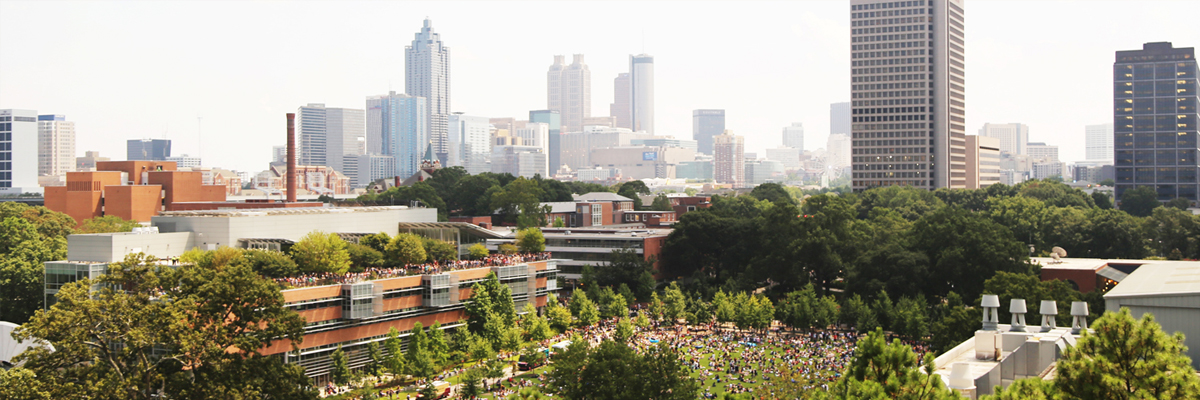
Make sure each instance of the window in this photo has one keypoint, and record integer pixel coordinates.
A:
(597, 215)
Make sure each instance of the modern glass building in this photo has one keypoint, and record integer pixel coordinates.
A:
(427, 74)
(330, 137)
(641, 93)
(399, 121)
(553, 119)
(470, 143)
(18, 151)
(147, 149)
(705, 125)
(1154, 120)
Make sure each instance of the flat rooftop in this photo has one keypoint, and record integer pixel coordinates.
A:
(278, 211)
(1167, 278)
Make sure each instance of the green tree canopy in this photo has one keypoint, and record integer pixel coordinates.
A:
(613, 370)
(406, 248)
(107, 224)
(661, 203)
(1139, 201)
(633, 190)
(321, 252)
(531, 240)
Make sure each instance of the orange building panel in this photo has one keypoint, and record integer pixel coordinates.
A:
(342, 335)
(400, 283)
(313, 293)
(135, 168)
(401, 303)
(135, 203)
(55, 198)
(83, 205)
(321, 314)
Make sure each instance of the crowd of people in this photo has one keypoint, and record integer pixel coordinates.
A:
(329, 278)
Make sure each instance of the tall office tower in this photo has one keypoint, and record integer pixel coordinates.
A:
(793, 136)
(1098, 140)
(147, 149)
(839, 118)
(185, 161)
(470, 143)
(729, 159)
(554, 120)
(330, 136)
(279, 154)
(56, 145)
(569, 91)
(1013, 137)
(18, 151)
(1154, 97)
(641, 92)
(1041, 151)
(536, 135)
(620, 107)
(838, 149)
(908, 105)
(705, 125)
(983, 161)
(427, 74)
(400, 121)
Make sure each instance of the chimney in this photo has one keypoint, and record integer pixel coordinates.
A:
(291, 158)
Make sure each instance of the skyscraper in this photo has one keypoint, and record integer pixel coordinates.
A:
(1098, 140)
(620, 107)
(147, 149)
(729, 159)
(399, 121)
(330, 137)
(56, 145)
(641, 92)
(838, 148)
(1154, 98)
(705, 125)
(427, 74)
(553, 121)
(1014, 137)
(839, 118)
(793, 136)
(569, 91)
(18, 151)
(907, 89)
(470, 143)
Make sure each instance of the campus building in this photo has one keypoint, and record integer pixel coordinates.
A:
(574, 248)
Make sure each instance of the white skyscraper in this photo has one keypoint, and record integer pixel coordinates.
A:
(1099, 142)
(56, 145)
(329, 136)
(18, 151)
(569, 91)
(793, 136)
(535, 134)
(1042, 151)
(838, 150)
(470, 143)
(839, 118)
(908, 85)
(641, 94)
(427, 74)
(1013, 137)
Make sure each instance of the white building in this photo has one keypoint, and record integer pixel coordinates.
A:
(56, 145)
(983, 161)
(427, 74)
(370, 167)
(1013, 137)
(1042, 151)
(569, 91)
(838, 150)
(18, 152)
(329, 136)
(762, 171)
(575, 148)
(793, 136)
(788, 156)
(641, 83)
(641, 162)
(525, 161)
(185, 161)
(469, 143)
(1099, 142)
(729, 159)
(839, 118)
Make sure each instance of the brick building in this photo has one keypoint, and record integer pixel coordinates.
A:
(132, 190)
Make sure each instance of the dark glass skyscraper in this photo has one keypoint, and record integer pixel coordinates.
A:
(705, 125)
(147, 149)
(1154, 121)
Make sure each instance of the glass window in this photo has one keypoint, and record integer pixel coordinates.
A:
(1186, 70)
(1187, 175)
(1143, 89)
(1124, 175)
(1185, 139)
(1166, 175)
(1143, 157)
(1164, 71)
(1187, 157)
(1185, 122)
(1165, 123)
(1164, 88)
(1185, 104)
(1124, 141)
(1143, 106)
(1123, 90)
(1143, 72)
(1144, 175)
(1143, 124)
(1122, 73)
(1187, 192)
(1124, 124)
(1124, 157)
(1165, 157)
(1165, 105)
(1187, 88)
(1166, 192)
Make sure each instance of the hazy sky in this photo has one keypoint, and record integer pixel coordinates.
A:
(124, 70)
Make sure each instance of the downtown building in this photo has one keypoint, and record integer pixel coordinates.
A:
(641, 93)
(1154, 121)
(427, 74)
(729, 165)
(569, 92)
(398, 123)
(56, 145)
(907, 95)
(147, 149)
(705, 125)
(18, 152)
(332, 137)
(469, 143)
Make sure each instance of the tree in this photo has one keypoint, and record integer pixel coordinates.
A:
(107, 224)
(177, 325)
(376, 241)
(364, 257)
(661, 203)
(517, 197)
(420, 360)
(881, 370)
(584, 309)
(439, 250)
(1139, 201)
(559, 317)
(1103, 200)
(856, 313)
(321, 252)
(1124, 358)
(772, 192)
(21, 383)
(633, 190)
(340, 373)
(964, 250)
(910, 318)
(1108, 182)
(477, 251)
(624, 330)
(271, 264)
(642, 322)
(955, 323)
(394, 362)
(24, 246)
(471, 381)
(615, 307)
(1179, 203)
(724, 309)
(468, 195)
(674, 301)
(531, 240)
(613, 370)
(406, 249)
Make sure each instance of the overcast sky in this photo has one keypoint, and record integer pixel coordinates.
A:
(124, 70)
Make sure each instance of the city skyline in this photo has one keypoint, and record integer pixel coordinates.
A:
(241, 101)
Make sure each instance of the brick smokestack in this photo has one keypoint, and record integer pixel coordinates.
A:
(291, 158)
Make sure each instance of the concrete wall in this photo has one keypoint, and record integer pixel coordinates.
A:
(111, 247)
(1175, 314)
(226, 230)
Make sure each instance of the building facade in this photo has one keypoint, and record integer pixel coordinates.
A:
(147, 149)
(56, 145)
(470, 143)
(569, 91)
(620, 107)
(1041, 151)
(729, 159)
(908, 94)
(518, 160)
(788, 156)
(983, 161)
(641, 92)
(1013, 137)
(838, 151)
(371, 167)
(400, 123)
(641, 162)
(554, 122)
(1099, 142)
(18, 152)
(88, 161)
(1154, 121)
(329, 136)
(427, 74)
(705, 125)
(793, 136)
(185, 161)
(839, 118)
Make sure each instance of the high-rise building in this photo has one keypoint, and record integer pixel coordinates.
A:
(185, 161)
(553, 121)
(526, 161)
(907, 89)
(279, 154)
(1013, 137)
(1098, 140)
(1041, 151)
(56, 145)
(147, 149)
(793, 136)
(839, 118)
(641, 92)
(400, 122)
(536, 134)
(427, 74)
(370, 167)
(470, 143)
(88, 161)
(18, 151)
(329, 136)
(838, 150)
(729, 159)
(620, 107)
(788, 156)
(1154, 97)
(705, 125)
(983, 161)
(569, 91)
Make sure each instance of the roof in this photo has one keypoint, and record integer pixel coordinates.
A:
(465, 226)
(420, 176)
(560, 206)
(601, 196)
(1160, 280)
(259, 212)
